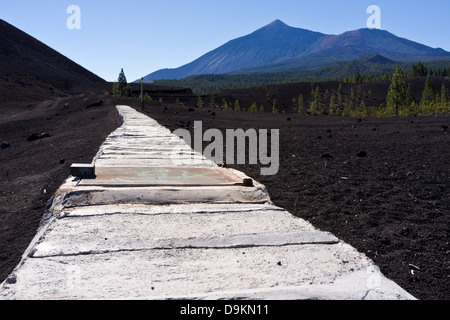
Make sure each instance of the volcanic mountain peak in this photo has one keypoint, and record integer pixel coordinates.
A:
(277, 24)
(277, 46)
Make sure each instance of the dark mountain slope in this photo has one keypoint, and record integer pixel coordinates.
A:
(26, 62)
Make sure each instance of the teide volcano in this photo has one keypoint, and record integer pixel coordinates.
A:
(279, 47)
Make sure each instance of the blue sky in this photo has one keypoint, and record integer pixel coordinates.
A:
(143, 36)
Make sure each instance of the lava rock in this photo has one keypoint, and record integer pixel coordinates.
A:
(327, 156)
(384, 240)
(362, 154)
(37, 136)
(95, 104)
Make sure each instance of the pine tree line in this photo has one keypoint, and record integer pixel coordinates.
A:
(400, 101)
(356, 74)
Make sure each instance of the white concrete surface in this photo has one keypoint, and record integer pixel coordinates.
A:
(182, 242)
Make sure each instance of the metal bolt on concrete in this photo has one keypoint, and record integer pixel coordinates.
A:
(160, 221)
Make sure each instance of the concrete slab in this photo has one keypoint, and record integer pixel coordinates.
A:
(164, 195)
(139, 228)
(152, 227)
(162, 176)
(293, 272)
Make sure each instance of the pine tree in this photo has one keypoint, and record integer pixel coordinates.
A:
(358, 94)
(121, 88)
(358, 78)
(418, 70)
(261, 108)
(254, 108)
(351, 103)
(318, 100)
(200, 102)
(352, 94)
(396, 96)
(332, 107)
(224, 104)
(275, 108)
(428, 94)
(339, 99)
(363, 109)
(237, 105)
(347, 108)
(409, 99)
(313, 108)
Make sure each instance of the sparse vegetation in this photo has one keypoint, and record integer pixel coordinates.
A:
(275, 108)
(224, 104)
(354, 96)
(237, 105)
(200, 102)
(147, 96)
(253, 108)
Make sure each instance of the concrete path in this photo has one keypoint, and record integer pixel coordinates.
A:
(160, 222)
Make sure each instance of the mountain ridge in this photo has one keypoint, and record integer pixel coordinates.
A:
(278, 47)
